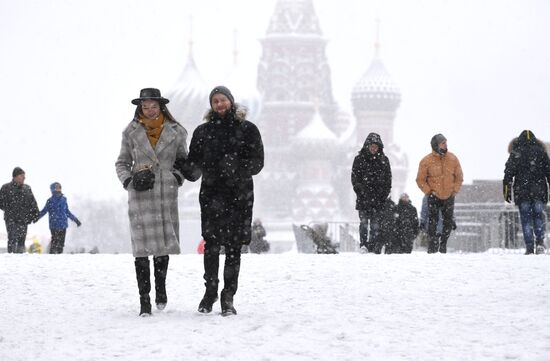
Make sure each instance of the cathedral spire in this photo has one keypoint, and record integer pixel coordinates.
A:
(377, 41)
(190, 40)
(235, 47)
(294, 17)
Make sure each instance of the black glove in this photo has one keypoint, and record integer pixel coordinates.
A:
(143, 180)
(188, 169)
(78, 223)
(126, 182)
(178, 179)
(507, 192)
(453, 225)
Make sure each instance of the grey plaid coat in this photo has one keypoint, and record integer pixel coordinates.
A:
(154, 223)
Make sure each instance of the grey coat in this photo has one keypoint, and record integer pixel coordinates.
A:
(154, 223)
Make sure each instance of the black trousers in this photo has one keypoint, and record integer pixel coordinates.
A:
(231, 268)
(369, 229)
(438, 243)
(58, 240)
(17, 233)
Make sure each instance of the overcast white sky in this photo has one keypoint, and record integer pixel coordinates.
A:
(476, 71)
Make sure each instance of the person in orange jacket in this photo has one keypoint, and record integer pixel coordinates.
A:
(440, 178)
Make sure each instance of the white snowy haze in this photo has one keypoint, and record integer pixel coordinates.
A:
(476, 71)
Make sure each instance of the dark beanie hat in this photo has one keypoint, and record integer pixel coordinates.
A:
(17, 171)
(436, 140)
(222, 90)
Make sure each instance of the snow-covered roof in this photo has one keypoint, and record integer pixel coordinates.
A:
(316, 130)
(189, 95)
(376, 81)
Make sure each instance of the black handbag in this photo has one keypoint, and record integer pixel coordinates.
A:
(143, 180)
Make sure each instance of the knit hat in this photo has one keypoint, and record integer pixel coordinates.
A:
(436, 140)
(222, 90)
(17, 171)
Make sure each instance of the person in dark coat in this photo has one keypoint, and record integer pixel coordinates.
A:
(406, 225)
(151, 143)
(526, 178)
(227, 150)
(258, 244)
(371, 179)
(20, 209)
(387, 235)
(58, 210)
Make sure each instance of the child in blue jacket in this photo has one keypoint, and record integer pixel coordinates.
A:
(58, 211)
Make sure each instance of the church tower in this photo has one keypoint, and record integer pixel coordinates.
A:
(375, 99)
(294, 81)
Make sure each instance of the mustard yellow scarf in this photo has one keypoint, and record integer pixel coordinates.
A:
(153, 128)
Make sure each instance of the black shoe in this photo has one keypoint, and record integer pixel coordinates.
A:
(227, 305)
(529, 250)
(205, 306)
(145, 303)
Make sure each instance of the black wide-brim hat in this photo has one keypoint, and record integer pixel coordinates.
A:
(150, 93)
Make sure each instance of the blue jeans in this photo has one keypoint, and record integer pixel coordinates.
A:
(532, 221)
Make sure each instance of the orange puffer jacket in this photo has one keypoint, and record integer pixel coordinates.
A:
(441, 175)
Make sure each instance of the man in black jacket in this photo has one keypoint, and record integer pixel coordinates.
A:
(371, 179)
(20, 209)
(527, 175)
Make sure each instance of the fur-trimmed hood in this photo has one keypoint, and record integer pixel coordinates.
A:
(239, 113)
(526, 137)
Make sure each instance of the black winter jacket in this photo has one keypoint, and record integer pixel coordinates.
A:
(227, 153)
(407, 222)
(528, 169)
(18, 203)
(371, 177)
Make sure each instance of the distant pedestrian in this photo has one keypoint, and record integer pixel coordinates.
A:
(35, 247)
(526, 178)
(58, 210)
(258, 244)
(371, 179)
(406, 225)
(227, 150)
(20, 209)
(440, 178)
(150, 144)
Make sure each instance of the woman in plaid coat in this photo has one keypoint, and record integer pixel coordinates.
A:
(150, 145)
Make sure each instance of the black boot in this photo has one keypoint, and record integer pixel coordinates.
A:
(230, 279)
(529, 249)
(227, 304)
(161, 268)
(209, 298)
(211, 266)
(143, 275)
(443, 246)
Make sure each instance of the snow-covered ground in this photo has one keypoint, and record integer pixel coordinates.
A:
(490, 306)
